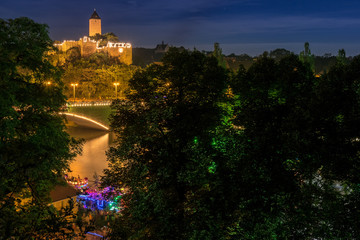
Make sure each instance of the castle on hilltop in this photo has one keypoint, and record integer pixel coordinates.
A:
(88, 46)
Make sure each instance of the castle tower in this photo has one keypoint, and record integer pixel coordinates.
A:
(94, 24)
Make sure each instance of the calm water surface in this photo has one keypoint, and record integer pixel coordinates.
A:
(93, 158)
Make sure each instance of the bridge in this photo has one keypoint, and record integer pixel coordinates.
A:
(94, 115)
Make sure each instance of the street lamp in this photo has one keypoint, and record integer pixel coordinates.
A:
(116, 84)
(74, 85)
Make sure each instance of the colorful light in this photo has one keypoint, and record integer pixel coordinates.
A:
(212, 167)
(77, 182)
(107, 198)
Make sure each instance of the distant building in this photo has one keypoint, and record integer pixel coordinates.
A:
(87, 46)
(162, 48)
(94, 24)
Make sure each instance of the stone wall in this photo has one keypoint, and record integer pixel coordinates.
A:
(87, 46)
(123, 51)
(66, 45)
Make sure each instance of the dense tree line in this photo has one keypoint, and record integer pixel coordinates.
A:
(268, 153)
(95, 75)
(96, 80)
(320, 64)
(35, 150)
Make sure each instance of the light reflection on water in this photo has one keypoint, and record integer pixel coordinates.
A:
(93, 158)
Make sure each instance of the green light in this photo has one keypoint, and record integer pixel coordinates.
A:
(196, 140)
(212, 167)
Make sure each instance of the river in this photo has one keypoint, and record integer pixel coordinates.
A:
(93, 157)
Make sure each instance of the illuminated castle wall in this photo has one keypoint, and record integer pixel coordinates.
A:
(123, 51)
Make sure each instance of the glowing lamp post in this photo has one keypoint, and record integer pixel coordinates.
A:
(116, 84)
(74, 85)
(47, 85)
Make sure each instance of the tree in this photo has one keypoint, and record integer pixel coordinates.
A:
(34, 148)
(95, 76)
(279, 53)
(73, 54)
(298, 152)
(111, 37)
(97, 37)
(341, 57)
(218, 55)
(306, 56)
(105, 38)
(277, 161)
(165, 155)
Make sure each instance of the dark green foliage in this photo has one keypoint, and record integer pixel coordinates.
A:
(165, 132)
(277, 159)
(217, 53)
(234, 61)
(301, 140)
(34, 148)
(341, 57)
(279, 53)
(324, 63)
(144, 56)
(306, 56)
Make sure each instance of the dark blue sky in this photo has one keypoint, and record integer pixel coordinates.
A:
(242, 26)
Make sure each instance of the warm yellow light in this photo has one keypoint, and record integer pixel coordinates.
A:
(88, 119)
(48, 83)
(74, 84)
(116, 84)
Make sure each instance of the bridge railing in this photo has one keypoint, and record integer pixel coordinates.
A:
(94, 111)
(88, 103)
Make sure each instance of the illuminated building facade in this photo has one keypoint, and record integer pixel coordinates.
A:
(87, 46)
(94, 24)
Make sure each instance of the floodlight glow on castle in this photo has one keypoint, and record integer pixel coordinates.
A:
(87, 46)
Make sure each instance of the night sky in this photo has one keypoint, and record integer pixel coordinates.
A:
(242, 26)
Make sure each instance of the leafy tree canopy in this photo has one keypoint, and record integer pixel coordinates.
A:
(164, 154)
(279, 53)
(34, 148)
(299, 151)
(277, 159)
(105, 38)
(306, 56)
(217, 53)
(96, 80)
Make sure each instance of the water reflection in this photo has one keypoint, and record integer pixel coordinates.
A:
(93, 158)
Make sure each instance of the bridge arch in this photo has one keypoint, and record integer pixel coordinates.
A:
(85, 121)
